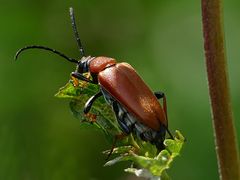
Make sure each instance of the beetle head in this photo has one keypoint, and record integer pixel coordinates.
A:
(83, 64)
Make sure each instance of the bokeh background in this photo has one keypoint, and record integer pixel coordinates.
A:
(39, 137)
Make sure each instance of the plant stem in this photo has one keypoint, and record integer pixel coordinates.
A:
(225, 137)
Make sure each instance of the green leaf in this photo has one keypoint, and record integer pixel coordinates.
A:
(101, 115)
(155, 165)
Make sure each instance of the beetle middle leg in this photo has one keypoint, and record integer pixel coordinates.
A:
(90, 102)
(121, 117)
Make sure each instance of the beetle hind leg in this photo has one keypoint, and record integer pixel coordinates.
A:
(169, 133)
(161, 95)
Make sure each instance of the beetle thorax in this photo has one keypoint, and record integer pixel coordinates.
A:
(98, 64)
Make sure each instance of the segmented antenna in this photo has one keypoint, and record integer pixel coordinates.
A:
(76, 32)
(45, 48)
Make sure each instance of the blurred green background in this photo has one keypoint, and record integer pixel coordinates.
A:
(39, 137)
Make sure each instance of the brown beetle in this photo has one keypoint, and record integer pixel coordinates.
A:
(136, 107)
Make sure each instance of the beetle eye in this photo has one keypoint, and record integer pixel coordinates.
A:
(82, 66)
(79, 68)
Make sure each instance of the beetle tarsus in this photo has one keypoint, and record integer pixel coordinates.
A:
(90, 102)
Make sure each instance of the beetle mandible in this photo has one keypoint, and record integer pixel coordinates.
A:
(136, 107)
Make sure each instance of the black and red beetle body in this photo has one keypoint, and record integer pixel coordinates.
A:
(136, 107)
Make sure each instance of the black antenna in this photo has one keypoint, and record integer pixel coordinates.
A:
(45, 48)
(76, 32)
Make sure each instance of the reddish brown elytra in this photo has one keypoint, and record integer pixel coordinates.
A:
(136, 107)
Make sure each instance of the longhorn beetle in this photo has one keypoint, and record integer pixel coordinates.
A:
(136, 107)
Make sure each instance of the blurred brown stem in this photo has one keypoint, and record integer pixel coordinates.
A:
(225, 137)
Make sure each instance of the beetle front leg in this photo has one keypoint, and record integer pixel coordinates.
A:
(90, 102)
(81, 77)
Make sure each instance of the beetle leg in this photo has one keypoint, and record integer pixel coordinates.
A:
(116, 138)
(169, 133)
(121, 115)
(90, 101)
(81, 77)
(160, 95)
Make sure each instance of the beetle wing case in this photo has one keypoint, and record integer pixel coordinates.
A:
(124, 84)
